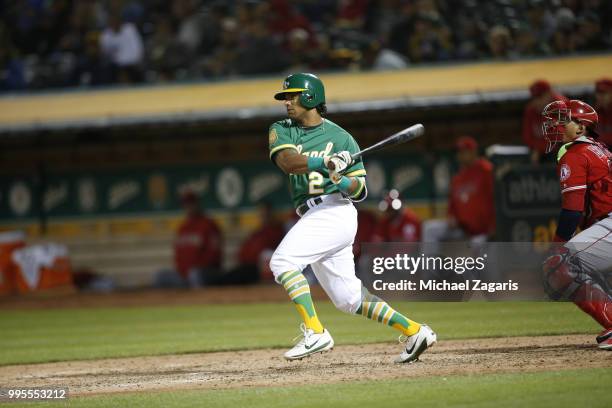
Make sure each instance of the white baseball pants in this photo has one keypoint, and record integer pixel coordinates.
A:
(323, 238)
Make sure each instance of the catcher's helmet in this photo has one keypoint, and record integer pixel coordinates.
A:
(311, 88)
(557, 114)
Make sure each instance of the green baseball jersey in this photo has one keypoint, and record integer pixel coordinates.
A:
(322, 140)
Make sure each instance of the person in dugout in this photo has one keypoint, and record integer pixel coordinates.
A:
(398, 223)
(471, 209)
(197, 249)
(257, 245)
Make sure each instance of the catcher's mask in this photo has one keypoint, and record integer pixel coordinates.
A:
(556, 115)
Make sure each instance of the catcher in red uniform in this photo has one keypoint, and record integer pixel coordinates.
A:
(579, 269)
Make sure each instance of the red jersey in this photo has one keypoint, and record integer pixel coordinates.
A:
(604, 126)
(197, 244)
(403, 228)
(471, 198)
(266, 237)
(532, 125)
(585, 173)
(366, 224)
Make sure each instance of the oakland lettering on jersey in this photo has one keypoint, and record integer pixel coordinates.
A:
(326, 152)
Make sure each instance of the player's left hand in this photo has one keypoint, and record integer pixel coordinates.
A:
(340, 161)
(334, 176)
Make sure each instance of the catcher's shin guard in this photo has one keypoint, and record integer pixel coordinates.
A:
(599, 306)
(565, 279)
(560, 280)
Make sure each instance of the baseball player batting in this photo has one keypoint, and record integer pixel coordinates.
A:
(579, 269)
(325, 181)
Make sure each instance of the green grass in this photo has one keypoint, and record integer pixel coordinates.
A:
(572, 388)
(57, 335)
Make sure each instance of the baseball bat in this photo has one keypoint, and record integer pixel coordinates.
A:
(403, 136)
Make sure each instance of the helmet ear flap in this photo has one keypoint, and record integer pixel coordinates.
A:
(307, 99)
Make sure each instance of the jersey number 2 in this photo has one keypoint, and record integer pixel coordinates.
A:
(315, 181)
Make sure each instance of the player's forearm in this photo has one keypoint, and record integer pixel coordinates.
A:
(354, 187)
(568, 222)
(291, 162)
(298, 164)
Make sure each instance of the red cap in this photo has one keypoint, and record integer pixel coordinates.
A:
(539, 88)
(466, 143)
(603, 85)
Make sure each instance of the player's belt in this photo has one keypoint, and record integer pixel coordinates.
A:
(307, 205)
(315, 201)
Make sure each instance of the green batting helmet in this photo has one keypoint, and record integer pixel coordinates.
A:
(311, 87)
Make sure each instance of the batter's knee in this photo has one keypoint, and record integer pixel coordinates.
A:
(279, 264)
(348, 303)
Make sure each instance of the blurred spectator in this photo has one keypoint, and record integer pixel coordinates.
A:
(351, 13)
(542, 94)
(12, 75)
(301, 54)
(346, 59)
(265, 238)
(194, 39)
(91, 68)
(526, 45)
(166, 53)
(212, 22)
(285, 18)
(190, 24)
(470, 37)
(376, 58)
(381, 16)
(501, 43)
(471, 210)
(589, 33)
(197, 249)
(122, 45)
(258, 53)
(564, 38)
(223, 58)
(430, 41)
(541, 24)
(398, 223)
(399, 35)
(603, 106)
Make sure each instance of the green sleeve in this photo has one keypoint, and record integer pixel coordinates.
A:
(357, 168)
(279, 138)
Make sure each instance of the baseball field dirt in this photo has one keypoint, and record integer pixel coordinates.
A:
(262, 368)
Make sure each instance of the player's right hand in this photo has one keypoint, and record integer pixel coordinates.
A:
(339, 162)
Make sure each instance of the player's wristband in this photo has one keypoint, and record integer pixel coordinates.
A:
(315, 163)
(344, 184)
